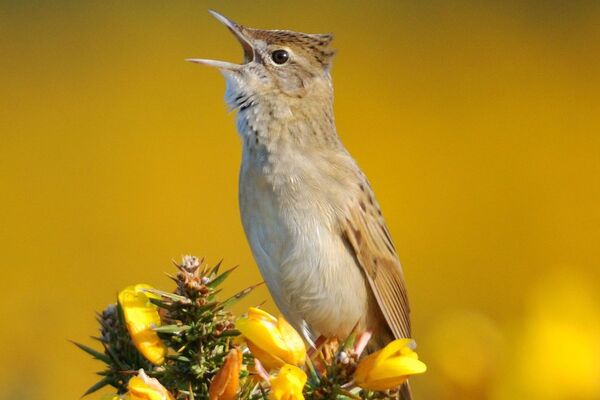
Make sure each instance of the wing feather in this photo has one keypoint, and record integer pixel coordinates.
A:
(371, 242)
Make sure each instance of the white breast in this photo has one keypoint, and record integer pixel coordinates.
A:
(290, 223)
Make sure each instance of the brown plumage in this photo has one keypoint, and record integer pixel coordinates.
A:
(311, 218)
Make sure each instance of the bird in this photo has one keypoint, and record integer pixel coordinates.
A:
(309, 213)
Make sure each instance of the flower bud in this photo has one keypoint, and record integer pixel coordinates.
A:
(226, 382)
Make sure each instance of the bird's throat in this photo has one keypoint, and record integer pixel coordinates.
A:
(264, 124)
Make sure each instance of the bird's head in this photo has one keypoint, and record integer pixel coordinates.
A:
(278, 66)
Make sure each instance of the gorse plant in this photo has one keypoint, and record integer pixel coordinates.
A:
(186, 344)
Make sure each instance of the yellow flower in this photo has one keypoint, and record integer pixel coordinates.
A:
(226, 382)
(288, 384)
(388, 367)
(142, 387)
(273, 341)
(141, 316)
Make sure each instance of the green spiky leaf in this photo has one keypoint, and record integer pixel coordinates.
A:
(168, 295)
(236, 297)
(97, 386)
(177, 329)
(231, 332)
(94, 353)
(221, 278)
(215, 270)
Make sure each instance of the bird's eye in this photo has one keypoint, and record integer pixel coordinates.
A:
(280, 56)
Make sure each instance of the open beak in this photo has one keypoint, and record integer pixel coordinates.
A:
(239, 33)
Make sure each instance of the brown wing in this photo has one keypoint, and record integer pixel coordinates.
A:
(371, 242)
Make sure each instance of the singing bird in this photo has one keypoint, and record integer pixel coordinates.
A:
(315, 228)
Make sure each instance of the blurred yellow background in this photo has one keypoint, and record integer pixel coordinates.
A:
(478, 124)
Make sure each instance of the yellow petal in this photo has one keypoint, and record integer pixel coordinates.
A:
(364, 368)
(259, 314)
(265, 336)
(273, 341)
(389, 367)
(295, 345)
(141, 316)
(288, 384)
(384, 384)
(142, 387)
(398, 366)
(297, 373)
(268, 360)
(397, 346)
